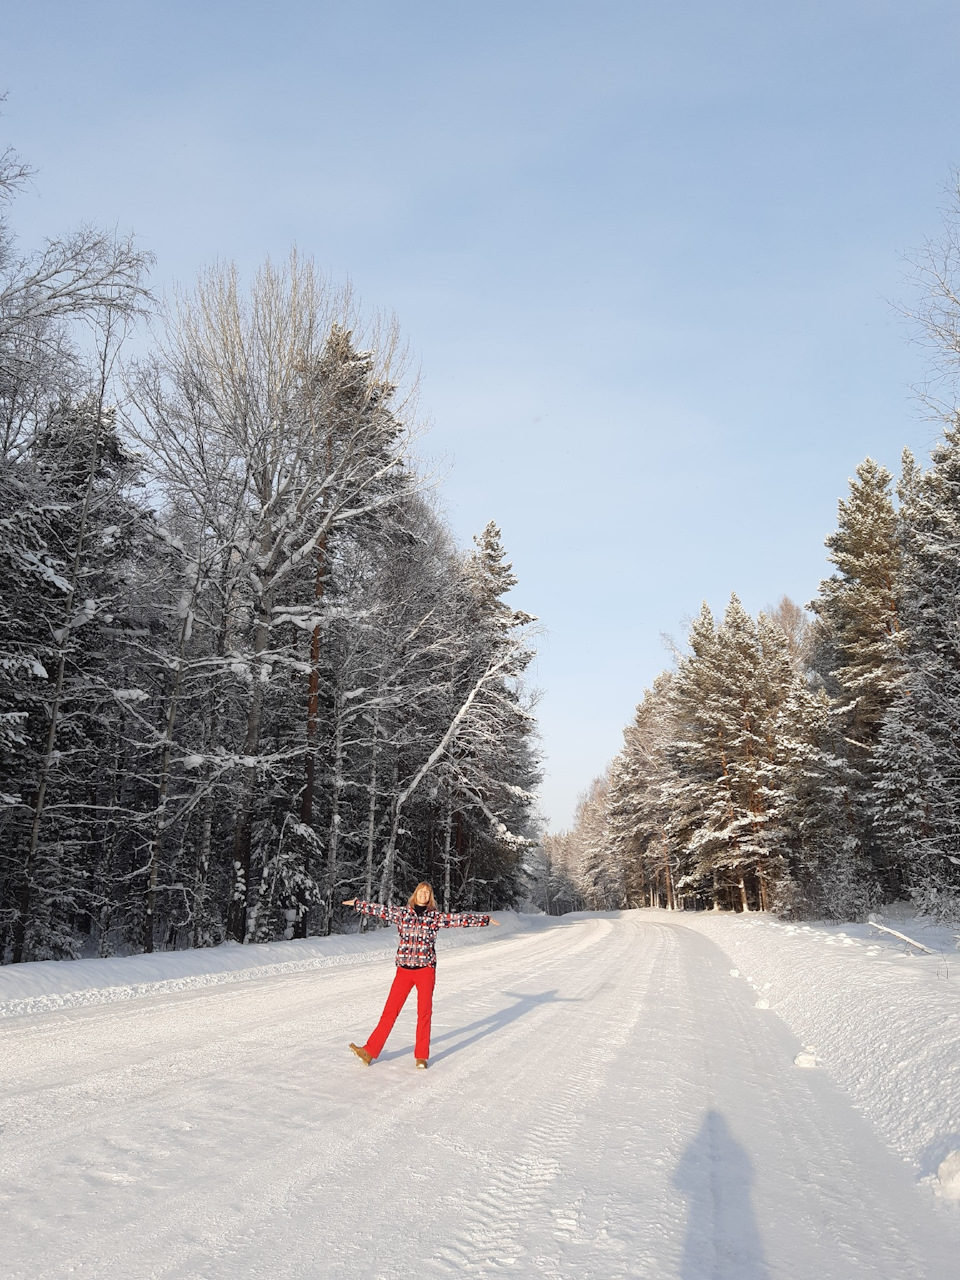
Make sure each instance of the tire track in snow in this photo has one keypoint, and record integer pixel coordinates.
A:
(128, 1127)
(491, 1237)
(235, 1137)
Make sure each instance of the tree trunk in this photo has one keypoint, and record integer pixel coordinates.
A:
(156, 838)
(202, 867)
(744, 904)
(447, 832)
(107, 850)
(386, 878)
(333, 841)
(242, 832)
(313, 701)
(668, 879)
(762, 880)
(211, 741)
(371, 815)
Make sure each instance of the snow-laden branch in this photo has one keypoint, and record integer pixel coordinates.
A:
(902, 936)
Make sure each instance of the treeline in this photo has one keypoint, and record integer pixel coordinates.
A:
(807, 767)
(808, 763)
(244, 670)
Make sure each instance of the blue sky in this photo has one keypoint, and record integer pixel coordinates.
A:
(645, 255)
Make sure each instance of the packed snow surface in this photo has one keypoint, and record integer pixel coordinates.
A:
(605, 1099)
(883, 1018)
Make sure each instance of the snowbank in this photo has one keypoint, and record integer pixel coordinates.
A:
(58, 984)
(881, 1018)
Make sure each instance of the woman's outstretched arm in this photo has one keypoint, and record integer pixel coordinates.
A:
(378, 909)
(463, 920)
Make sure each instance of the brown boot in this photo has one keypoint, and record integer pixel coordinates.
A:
(365, 1058)
(422, 1063)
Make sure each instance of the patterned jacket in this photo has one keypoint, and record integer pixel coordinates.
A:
(418, 931)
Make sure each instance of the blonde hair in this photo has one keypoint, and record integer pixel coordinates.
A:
(431, 903)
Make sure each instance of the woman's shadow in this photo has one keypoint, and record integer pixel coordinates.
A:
(487, 1026)
(723, 1240)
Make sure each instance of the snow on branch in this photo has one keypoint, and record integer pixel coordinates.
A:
(903, 937)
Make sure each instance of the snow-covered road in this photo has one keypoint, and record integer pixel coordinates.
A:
(604, 1100)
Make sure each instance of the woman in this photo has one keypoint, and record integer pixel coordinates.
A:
(418, 922)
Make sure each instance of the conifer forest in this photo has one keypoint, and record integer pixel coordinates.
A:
(246, 672)
(809, 767)
(807, 760)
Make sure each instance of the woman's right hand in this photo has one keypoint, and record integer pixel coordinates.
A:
(349, 902)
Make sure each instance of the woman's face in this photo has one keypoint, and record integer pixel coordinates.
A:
(422, 896)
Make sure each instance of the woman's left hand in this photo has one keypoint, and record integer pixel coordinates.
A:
(494, 921)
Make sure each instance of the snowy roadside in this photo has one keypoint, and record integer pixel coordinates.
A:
(884, 1020)
(60, 984)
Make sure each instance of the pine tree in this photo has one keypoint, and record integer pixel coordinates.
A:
(831, 873)
(94, 530)
(583, 855)
(726, 818)
(857, 642)
(917, 786)
(642, 782)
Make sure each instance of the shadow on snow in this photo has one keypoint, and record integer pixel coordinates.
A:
(484, 1027)
(723, 1240)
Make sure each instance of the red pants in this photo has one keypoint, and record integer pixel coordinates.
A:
(406, 979)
